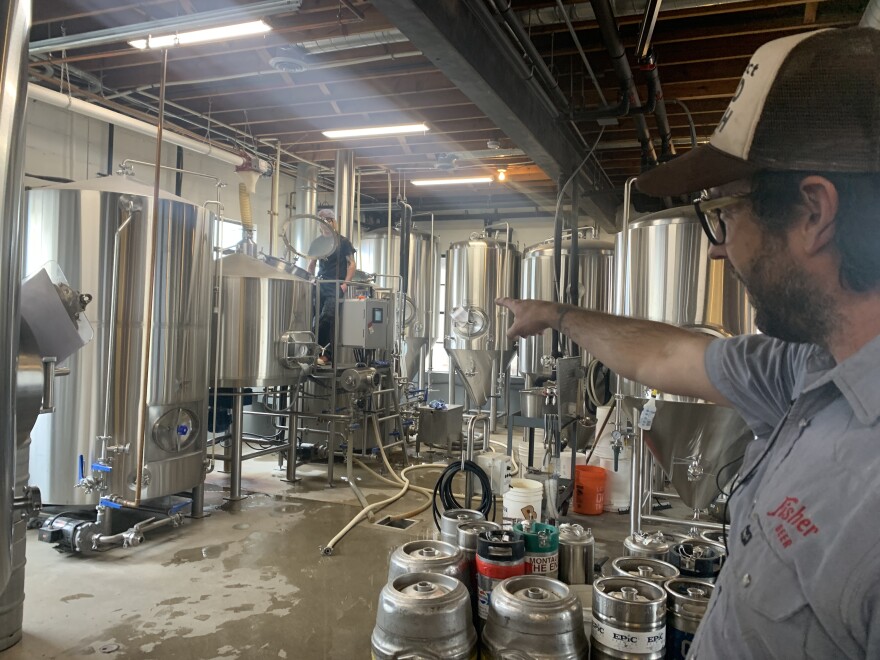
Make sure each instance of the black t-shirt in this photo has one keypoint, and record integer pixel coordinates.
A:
(335, 266)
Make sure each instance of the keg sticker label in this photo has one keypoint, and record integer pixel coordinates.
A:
(542, 564)
(484, 597)
(630, 641)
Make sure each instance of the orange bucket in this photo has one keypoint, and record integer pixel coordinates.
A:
(589, 490)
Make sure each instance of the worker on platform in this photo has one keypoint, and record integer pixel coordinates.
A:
(790, 199)
(338, 268)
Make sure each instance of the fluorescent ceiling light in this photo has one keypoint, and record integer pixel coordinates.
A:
(451, 182)
(202, 36)
(376, 130)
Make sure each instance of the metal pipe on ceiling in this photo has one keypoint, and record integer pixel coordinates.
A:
(343, 192)
(577, 43)
(352, 41)
(611, 39)
(583, 11)
(200, 20)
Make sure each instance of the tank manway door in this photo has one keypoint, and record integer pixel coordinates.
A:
(366, 323)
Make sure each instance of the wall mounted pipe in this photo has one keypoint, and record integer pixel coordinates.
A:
(15, 20)
(574, 260)
(44, 95)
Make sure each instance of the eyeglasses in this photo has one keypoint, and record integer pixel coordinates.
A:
(709, 213)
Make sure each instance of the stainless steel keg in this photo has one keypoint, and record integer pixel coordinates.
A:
(687, 601)
(533, 616)
(629, 619)
(644, 568)
(424, 615)
(656, 545)
(698, 558)
(500, 555)
(428, 556)
(449, 523)
(714, 535)
(542, 547)
(576, 548)
(468, 533)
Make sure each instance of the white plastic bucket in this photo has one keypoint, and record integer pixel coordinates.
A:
(522, 457)
(522, 493)
(616, 483)
(565, 462)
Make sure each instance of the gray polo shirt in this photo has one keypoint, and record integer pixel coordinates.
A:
(803, 576)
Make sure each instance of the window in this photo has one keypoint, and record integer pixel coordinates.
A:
(229, 234)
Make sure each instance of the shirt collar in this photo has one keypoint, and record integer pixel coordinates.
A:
(855, 377)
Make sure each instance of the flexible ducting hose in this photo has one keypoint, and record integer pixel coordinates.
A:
(244, 203)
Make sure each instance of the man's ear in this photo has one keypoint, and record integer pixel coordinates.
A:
(820, 199)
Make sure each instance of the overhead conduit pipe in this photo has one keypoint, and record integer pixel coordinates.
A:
(611, 39)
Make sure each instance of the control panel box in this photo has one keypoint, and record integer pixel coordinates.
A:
(366, 323)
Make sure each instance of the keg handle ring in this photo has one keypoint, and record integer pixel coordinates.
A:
(417, 655)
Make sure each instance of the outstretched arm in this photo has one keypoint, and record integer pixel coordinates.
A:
(655, 354)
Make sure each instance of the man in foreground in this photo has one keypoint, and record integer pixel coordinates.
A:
(791, 200)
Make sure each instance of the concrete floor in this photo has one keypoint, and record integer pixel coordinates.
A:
(246, 582)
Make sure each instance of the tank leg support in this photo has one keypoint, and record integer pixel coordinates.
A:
(235, 431)
(198, 502)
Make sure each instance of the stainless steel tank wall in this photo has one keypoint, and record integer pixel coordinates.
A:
(259, 305)
(75, 225)
(670, 278)
(478, 271)
(423, 271)
(595, 288)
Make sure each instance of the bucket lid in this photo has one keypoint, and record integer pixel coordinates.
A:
(526, 484)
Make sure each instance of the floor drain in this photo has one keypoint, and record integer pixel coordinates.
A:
(406, 523)
(109, 648)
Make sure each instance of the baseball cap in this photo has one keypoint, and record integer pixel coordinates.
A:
(809, 101)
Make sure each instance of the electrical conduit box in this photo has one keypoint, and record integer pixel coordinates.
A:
(366, 323)
(499, 468)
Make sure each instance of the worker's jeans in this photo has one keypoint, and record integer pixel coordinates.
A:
(326, 317)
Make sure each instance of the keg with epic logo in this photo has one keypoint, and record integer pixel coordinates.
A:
(688, 599)
(629, 619)
(644, 568)
(542, 547)
(698, 558)
(424, 615)
(576, 549)
(534, 617)
(500, 555)
(428, 557)
(450, 519)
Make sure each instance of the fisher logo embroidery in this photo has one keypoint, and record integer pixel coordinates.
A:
(794, 519)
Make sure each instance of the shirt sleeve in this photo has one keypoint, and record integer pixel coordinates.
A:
(758, 374)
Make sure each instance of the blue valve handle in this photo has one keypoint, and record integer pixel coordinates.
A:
(110, 503)
(98, 467)
(178, 507)
(82, 466)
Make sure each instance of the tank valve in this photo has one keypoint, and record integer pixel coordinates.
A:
(30, 503)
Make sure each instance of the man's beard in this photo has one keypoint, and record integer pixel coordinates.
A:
(788, 304)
